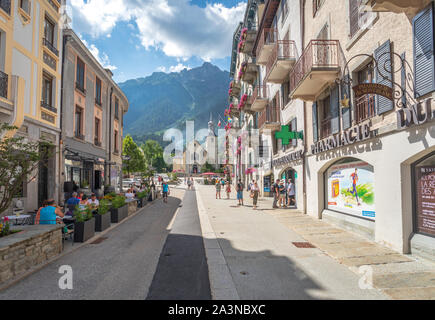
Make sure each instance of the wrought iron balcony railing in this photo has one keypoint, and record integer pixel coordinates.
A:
(48, 107)
(79, 87)
(79, 136)
(281, 60)
(4, 80)
(50, 46)
(319, 55)
(259, 97)
(270, 116)
(6, 6)
(267, 37)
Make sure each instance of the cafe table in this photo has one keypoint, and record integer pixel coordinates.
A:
(20, 220)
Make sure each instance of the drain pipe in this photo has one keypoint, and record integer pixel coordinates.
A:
(304, 158)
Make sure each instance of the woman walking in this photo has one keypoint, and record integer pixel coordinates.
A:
(218, 189)
(255, 190)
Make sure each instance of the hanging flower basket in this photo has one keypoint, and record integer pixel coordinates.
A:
(244, 34)
(243, 70)
(241, 46)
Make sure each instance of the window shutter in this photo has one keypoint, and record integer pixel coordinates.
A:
(315, 123)
(294, 129)
(346, 113)
(403, 76)
(383, 57)
(335, 110)
(424, 52)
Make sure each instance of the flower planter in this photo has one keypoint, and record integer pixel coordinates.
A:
(83, 231)
(102, 222)
(119, 214)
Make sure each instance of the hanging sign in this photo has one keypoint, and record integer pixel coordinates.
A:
(373, 88)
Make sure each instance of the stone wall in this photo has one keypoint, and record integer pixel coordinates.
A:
(22, 251)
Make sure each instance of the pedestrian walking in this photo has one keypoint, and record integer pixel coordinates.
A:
(228, 189)
(240, 188)
(255, 191)
(291, 193)
(189, 184)
(218, 189)
(275, 190)
(166, 191)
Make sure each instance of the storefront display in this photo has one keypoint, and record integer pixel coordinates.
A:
(425, 196)
(351, 189)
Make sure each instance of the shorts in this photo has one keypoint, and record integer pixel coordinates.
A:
(239, 195)
(282, 196)
(165, 194)
(291, 197)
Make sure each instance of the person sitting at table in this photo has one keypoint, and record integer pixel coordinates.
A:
(49, 214)
(130, 194)
(72, 203)
(93, 201)
(84, 202)
(81, 194)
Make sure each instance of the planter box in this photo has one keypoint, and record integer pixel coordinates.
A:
(119, 214)
(83, 231)
(102, 222)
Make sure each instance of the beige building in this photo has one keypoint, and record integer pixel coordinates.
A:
(360, 83)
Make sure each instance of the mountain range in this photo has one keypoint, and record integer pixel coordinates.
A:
(166, 100)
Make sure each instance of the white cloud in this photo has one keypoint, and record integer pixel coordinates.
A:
(102, 58)
(178, 68)
(176, 27)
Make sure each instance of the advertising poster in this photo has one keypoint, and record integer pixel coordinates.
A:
(426, 199)
(351, 189)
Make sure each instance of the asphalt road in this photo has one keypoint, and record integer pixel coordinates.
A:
(140, 253)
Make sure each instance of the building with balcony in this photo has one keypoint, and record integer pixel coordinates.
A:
(369, 142)
(92, 137)
(30, 74)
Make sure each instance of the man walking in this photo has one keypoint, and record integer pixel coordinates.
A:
(218, 186)
(291, 193)
(240, 188)
(275, 190)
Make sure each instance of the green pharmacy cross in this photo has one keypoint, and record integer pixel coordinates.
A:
(286, 135)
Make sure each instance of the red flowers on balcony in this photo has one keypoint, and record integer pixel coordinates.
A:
(241, 46)
(242, 102)
(243, 70)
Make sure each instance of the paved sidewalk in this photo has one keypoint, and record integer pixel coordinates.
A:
(399, 276)
(252, 256)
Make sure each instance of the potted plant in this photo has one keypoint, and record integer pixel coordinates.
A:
(119, 209)
(102, 219)
(84, 226)
(142, 196)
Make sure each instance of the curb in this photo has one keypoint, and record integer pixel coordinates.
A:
(222, 284)
(21, 277)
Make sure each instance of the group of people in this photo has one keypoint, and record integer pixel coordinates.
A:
(283, 192)
(252, 188)
(189, 182)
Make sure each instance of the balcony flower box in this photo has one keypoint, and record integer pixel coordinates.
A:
(243, 69)
(241, 46)
(244, 34)
(243, 101)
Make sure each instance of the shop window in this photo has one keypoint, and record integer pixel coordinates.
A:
(424, 196)
(350, 188)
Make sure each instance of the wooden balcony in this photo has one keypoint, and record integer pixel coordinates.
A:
(319, 65)
(281, 61)
(260, 98)
(265, 46)
(269, 119)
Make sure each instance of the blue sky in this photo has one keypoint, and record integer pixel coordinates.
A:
(138, 37)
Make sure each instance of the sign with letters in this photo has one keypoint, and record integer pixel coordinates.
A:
(416, 114)
(373, 88)
(353, 135)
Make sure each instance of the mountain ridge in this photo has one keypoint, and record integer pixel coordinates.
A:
(166, 100)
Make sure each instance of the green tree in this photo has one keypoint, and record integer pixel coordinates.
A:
(152, 151)
(135, 161)
(207, 167)
(19, 160)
